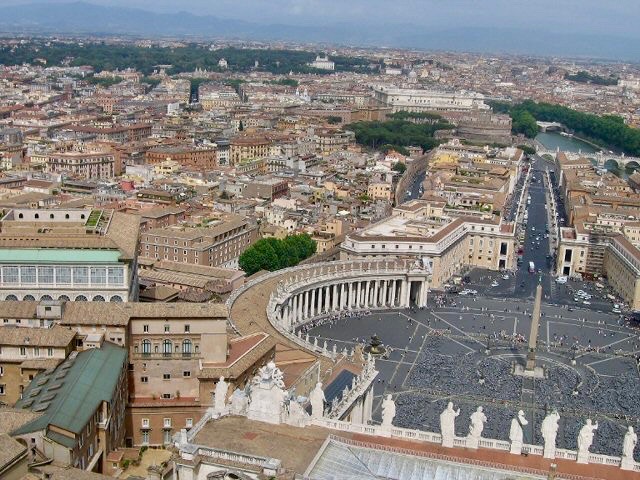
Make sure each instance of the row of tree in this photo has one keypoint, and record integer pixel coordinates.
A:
(183, 59)
(397, 133)
(608, 130)
(585, 77)
(273, 254)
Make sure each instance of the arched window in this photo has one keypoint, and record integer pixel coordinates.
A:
(21, 215)
(51, 215)
(186, 348)
(98, 298)
(28, 298)
(146, 347)
(66, 215)
(82, 216)
(81, 298)
(64, 298)
(46, 297)
(166, 348)
(116, 299)
(11, 298)
(37, 215)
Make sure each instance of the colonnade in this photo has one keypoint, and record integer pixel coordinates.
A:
(344, 295)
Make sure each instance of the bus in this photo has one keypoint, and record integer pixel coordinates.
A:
(532, 267)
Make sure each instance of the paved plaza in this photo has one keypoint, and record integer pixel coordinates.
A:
(464, 350)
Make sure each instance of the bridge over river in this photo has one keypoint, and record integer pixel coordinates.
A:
(599, 158)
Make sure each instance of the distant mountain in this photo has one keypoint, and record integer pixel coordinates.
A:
(87, 18)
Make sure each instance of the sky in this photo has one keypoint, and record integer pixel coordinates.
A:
(615, 17)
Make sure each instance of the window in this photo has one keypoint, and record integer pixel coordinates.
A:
(23, 351)
(167, 328)
(116, 276)
(186, 347)
(166, 423)
(3, 389)
(189, 422)
(28, 275)
(144, 379)
(145, 438)
(145, 423)
(49, 351)
(166, 376)
(146, 347)
(63, 275)
(166, 436)
(81, 275)
(187, 328)
(45, 275)
(166, 396)
(145, 328)
(36, 351)
(186, 374)
(1, 370)
(98, 275)
(166, 348)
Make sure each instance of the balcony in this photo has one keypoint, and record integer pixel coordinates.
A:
(168, 356)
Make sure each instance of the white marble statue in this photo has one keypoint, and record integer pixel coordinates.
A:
(629, 443)
(549, 431)
(448, 425)
(220, 395)
(516, 434)
(317, 399)
(267, 395)
(628, 446)
(239, 402)
(478, 418)
(585, 439)
(388, 411)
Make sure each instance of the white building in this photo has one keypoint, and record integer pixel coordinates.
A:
(414, 100)
(323, 63)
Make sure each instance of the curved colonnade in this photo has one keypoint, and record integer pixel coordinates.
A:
(301, 294)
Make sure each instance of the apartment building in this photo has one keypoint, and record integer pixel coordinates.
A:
(204, 158)
(247, 148)
(219, 244)
(85, 163)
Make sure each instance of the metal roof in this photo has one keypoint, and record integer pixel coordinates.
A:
(57, 255)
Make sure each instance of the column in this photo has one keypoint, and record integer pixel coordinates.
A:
(403, 293)
(334, 298)
(424, 291)
(313, 302)
(294, 309)
(383, 296)
(367, 291)
(285, 317)
(300, 305)
(392, 294)
(375, 293)
(327, 299)
(306, 304)
(343, 296)
(359, 295)
(368, 406)
(350, 297)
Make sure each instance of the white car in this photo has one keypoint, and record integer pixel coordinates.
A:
(505, 277)
(586, 302)
(561, 280)
(494, 284)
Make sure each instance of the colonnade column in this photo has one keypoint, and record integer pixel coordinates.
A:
(383, 299)
(350, 297)
(334, 297)
(392, 294)
(313, 302)
(367, 291)
(327, 307)
(306, 304)
(359, 295)
(376, 299)
(343, 295)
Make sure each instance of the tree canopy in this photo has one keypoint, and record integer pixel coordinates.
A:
(608, 130)
(398, 133)
(273, 254)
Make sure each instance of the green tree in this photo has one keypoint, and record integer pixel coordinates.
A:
(399, 167)
(273, 254)
(334, 119)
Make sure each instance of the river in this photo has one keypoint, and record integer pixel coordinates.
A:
(553, 140)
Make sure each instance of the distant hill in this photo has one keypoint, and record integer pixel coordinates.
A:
(87, 18)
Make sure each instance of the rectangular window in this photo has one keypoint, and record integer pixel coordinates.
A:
(50, 351)
(187, 328)
(45, 275)
(166, 376)
(28, 275)
(189, 423)
(145, 328)
(166, 422)
(98, 275)
(2, 389)
(145, 438)
(23, 351)
(36, 351)
(144, 379)
(116, 276)
(63, 275)
(166, 396)
(186, 373)
(167, 328)
(10, 275)
(81, 275)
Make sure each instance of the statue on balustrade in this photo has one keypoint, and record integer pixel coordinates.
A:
(388, 411)
(549, 431)
(585, 439)
(629, 445)
(478, 419)
(220, 395)
(448, 425)
(317, 399)
(516, 434)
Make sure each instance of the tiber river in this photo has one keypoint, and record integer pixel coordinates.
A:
(553, 140)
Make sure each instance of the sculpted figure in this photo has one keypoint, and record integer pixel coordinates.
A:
(388, 411)
(317, 400)
(585, 437)
(448, 424)
(478, 418)
(629, 443)
(516, 434)
(549, 430)
(220, 395)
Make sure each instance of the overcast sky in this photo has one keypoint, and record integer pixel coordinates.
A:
(616, 17)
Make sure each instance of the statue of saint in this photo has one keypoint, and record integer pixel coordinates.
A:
(516, 435)
(317, 400)
(629, 443)
(549, 431)
(220, 395)
(477, 423)
(585, 437)
(388, 411)
(448, 424)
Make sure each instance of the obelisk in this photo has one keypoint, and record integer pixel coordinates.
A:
(533, 336)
